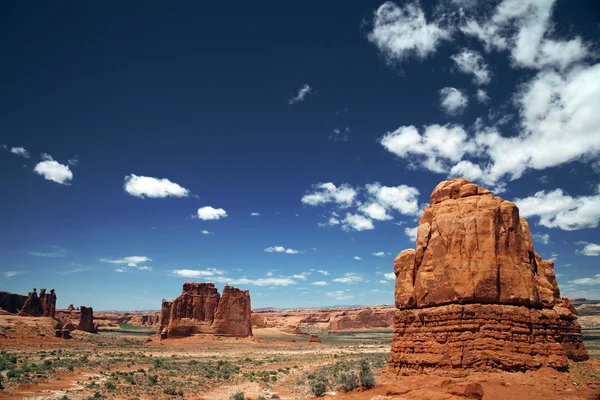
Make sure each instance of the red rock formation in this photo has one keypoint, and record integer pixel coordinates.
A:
(314, 339)
(474, 294)
(48, 303)
(86, 321)
(201, 310)
(12, 302)
(363, 319)
(32, 306)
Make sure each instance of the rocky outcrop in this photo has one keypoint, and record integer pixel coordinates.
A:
(314, 339)
(474, 294)
(12, 302)
(43, 305)
(48, 301)
(201, 310)
(86, 321)
(364, 319)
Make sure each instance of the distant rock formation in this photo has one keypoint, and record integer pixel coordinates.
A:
(474, 294)
(86, 321)
(364, 319)
(12, 302)
(201, 310)
(314, 339)
(43, 305)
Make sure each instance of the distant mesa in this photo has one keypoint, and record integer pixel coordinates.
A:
(473, 294)
(200, 309)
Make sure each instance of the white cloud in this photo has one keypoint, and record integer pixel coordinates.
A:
(20, 151)
(453, 101)
(269, 273)
(146, 186)
(46, 157)
(209, 213)
(357, 258)
(145, 268)
(131, 261)
(556, 209)
(401, 33)
(357, 223)
(349, 278)
(255, 214)
(378, 254)
(375, 211)
(10, 274)
(51, 252)
(319, 283)
(197, 273)
(280, 249)
(594, 280)
(403, 199)
(301, 276)
(411, 233)
(591, 249)
(544, 239)
(302, 93)
(432, 150)
(205, 232)
(119, 270)
(322, 271)
(390, 276)
(340, 295)
(482, 96)
(471, 62)
(327, 193)
(54, 171)
(522, 27)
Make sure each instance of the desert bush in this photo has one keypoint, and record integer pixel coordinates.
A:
(318, 388)
(365, 375)
(237, 396)
(347, 381)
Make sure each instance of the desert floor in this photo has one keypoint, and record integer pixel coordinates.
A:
(127, 365)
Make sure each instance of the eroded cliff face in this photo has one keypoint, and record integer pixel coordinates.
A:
(200, 309)
(43, 305)
(474, 294)
(12, 302)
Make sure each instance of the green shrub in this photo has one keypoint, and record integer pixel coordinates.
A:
(365, 375)
(317, 388)
(237, 396)
(347, 381)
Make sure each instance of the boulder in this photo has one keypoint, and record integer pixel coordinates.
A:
(474, 294)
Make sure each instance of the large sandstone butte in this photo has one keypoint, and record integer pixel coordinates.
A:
(474, 294)
(43, 305)
(86, 321)
(201, 310)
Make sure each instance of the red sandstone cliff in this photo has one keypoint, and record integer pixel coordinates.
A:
(474, 294)
(43, 305)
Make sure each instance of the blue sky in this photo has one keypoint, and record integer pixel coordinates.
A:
(285, 148)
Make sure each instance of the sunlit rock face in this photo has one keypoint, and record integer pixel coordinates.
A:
(200, 309)
(474, 294)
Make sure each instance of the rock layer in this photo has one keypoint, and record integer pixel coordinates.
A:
(200, 309)
(474, 294)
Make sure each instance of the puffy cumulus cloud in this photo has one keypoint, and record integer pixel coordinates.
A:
(146, 186)
(20, 151)
(453, 101)
(403, 199)
(433, 150)
(357, 222)
(541, 238)
(325, 193)
(54, 171)
(332, 221)
(131, 261)
(350, 278)
(378, 254)
(323, 272)
(523, 27)
(197, 273)
(209, 213)
(411, 233)
(205, 232)
(280, 249)
(472, 63)
(319, 283)
(403, 32)
(375, 211)
(301, 95)
(388, 276)
(590, 249)
(357, 258)
(556, 209)
(302, 276)
(255, 214)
